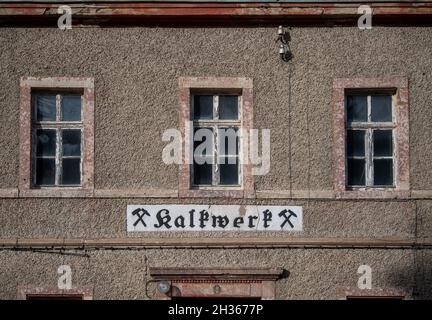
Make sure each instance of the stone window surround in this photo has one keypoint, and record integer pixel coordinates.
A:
(27, 84)
(401, 111)
(188, 85)
(85, 292)
(257, 283)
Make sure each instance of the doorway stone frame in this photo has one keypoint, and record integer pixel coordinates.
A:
(253, 283)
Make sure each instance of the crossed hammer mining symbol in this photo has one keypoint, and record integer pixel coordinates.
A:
(140, 212)
(287, 219)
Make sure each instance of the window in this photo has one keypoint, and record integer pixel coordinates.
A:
(372, 294)
(375, 297)
(56, 137)
(216, 126)
(369, 140)
(57, 133)
(54, 297)
(54, 293)
(214, 114)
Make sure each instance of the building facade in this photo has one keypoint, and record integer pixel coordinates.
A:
(99, 198)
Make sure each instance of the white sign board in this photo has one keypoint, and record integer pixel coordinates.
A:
(213, 218)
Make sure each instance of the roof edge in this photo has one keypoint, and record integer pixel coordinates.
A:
(223, 14)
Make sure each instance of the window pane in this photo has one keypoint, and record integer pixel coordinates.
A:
(71, 141)
(356, 143)
(229, 172)
(382, 143)
(383, 172)
(356, 172)
(228, 141)
(71, 171)
(45, 107)
(71, 108)
(357, 108)
(203, 142)
(203, 174)
(203, 107)
(228, 107)
(381, 109)
(45, 142)
(45, 171)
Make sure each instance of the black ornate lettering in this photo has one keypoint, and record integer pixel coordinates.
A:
(204, 216)
(191, 223)
(251, 219)
(163, 221)
(238, 221)
(179, 222)
(267, 218)
(221, 221)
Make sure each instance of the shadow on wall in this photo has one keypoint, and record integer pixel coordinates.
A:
(417, 280)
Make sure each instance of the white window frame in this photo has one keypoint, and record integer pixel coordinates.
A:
(58, 125)
(216, 124)
(28, 85)
(369, 127)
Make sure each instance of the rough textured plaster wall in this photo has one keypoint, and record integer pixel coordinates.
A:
(425, 276)
(424, 219)
(136, 72)
(9, 112)
(123, 275)
(95, 218)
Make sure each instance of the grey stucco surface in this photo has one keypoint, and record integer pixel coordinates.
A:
(107, 218)
(136, 73)
(123, 274)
